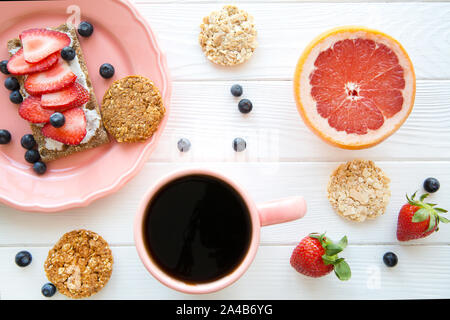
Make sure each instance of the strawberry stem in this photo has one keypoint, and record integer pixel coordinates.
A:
(427, 210)
(341, 268)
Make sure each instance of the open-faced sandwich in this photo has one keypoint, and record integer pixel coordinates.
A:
(58, 97)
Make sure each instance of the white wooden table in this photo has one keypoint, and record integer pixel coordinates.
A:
(283, 158)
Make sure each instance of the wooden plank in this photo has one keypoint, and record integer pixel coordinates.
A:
(207, 114)
(112, 217)
(418, 275)
(284, 31)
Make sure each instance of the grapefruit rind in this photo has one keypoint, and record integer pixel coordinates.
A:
(307, 106)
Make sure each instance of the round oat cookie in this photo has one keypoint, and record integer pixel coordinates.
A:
(132, 109)
(359, 190)
(80, 264)
(228, 36)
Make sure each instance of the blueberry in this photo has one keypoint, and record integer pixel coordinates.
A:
(39, 167)
(3, 67)
(32, 156)
(236, 90)
(239, 144)
(5, 136)
(184, 145)
(245, 106)
(23, 258)
(12, 83)
(68, 53)
(431, 185)
(390, 259)
(106, 70)
(57, 120)
(28, 141)
(85, 29)
(48, 290)
(16, 97)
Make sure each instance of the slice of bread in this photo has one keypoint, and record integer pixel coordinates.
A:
(100, 137)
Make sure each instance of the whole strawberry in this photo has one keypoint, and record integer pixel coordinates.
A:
(316, 256)
(418, 219)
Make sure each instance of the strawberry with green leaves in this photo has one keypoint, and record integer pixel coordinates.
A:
(316, 256)
(418, 219)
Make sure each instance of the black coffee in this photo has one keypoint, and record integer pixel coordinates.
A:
(197, 229)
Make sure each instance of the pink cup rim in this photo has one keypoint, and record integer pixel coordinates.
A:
(179, 285)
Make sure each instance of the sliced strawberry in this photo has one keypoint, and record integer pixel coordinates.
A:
(38, 44)
(54, 79)
(73, 96)
(32, 111)
(72, 132)
(18, 66)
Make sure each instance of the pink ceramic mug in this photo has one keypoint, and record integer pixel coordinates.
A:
(268, 213)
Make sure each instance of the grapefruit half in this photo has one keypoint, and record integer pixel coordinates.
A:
(354, 86)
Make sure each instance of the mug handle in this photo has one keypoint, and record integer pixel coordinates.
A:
(282, 210)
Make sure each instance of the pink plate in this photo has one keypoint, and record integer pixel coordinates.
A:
(121, 37)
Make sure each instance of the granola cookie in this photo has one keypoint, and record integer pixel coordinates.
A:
(228, 36)
(359, 190)
(80, 264)
(132, 109)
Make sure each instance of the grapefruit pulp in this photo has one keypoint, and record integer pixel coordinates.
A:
(354, 86)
